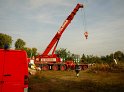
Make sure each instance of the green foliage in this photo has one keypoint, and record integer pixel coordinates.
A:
(5, 40)
(19, 44)
(28, 50)
(34, 51)
(63, 53)
(66, 55)
(31, 52)
(118, 55)
(90, 59)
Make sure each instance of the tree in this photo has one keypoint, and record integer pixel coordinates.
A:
(19, 44)
(90, 59)
(30, 52)
(34, 51)
(118, 55)
(67, 55)
(83, 59)
(62, 53)
(5, 40)
(103, 59)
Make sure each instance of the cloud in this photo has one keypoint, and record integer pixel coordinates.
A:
(47, 3)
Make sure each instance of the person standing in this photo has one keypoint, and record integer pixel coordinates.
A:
(77, 70)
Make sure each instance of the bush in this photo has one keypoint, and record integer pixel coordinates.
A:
(117, 67)
(99, 67)
(107, 68)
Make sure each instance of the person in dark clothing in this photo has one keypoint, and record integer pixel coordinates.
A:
(77, 70)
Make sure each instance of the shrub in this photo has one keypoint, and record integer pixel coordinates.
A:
(107, 68)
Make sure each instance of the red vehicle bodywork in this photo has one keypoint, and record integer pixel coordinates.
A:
(13, 71)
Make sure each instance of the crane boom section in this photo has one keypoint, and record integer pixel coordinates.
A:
(56, 38)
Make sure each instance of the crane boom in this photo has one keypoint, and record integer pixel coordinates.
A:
(55, 40)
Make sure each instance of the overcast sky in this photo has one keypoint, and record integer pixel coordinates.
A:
(37, 21)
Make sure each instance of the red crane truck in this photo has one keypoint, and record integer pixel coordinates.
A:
(53, 61)
(13, 71)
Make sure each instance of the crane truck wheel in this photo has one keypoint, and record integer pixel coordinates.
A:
(85, 67)
(45, 67)
(62, 67)
(55, 67)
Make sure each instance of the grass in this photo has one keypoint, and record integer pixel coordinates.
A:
(66, 81)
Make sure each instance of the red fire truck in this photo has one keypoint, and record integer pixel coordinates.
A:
(13, 71)
(52, 61)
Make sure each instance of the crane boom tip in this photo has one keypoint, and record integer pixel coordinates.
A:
(81, 5)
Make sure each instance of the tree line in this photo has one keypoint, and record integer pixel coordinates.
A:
(6, 40)
(67, 55)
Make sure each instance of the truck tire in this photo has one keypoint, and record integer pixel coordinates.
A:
(62, 67)
(55, 67)
(85, 67)
(45, 67)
